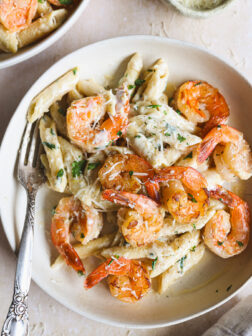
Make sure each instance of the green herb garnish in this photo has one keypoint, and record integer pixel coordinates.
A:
(219, 243)
(239, 243)
(60, 173)
(130, 87)
(197, 83)
(178, 112)
(181, 263)
(193, 248)
(82, 235)
(131, 173)
(66, 2)
(77, 168)
(154, 106)
(189, 156)
(93, 165)
(194, 226)
(192, 199)
(49, 145)
(53, 211)
(153, 264)
(139, 82)
(52, 131)
(181, 138)
(218, 126)
(75, 69)
(80, 273)
(119, 133)
(167, 134)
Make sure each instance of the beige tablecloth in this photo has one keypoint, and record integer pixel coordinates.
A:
(228, 35)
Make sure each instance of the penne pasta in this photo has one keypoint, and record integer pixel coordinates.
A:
(54, 164)
(54, 92)
(183, 265)
(8, 40)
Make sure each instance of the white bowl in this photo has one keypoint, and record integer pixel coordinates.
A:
(9, 59)
(198, 13)
(195, 293)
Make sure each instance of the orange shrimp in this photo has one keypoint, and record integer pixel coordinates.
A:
(128, 280)
(185, 205)
(84, 118)
(200, 102)
(234, 158)
(86, 223)
(127, 173)
(227, 235)
(61, 2)
(16, 15)
(141, 225)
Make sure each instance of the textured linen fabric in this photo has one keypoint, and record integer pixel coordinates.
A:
(236, 322)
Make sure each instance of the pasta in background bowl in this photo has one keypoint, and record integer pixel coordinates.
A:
(209, 283)
(45, 23)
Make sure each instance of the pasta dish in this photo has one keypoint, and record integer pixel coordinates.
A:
(150, 179)
(25, 22)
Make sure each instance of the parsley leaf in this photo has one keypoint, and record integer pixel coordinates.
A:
(60, 173)
(66, 2)
(154, 106)
(197, 83)
(80, 273)
(77, 168)
(181, 138)
(191, 198)
(167, 134)
(52, 131)
(53, 211)
(189, 156)
(93, 165)
(82, 235)
(75, 69)
(219, 243)
(119, 133)
(49, 145)
(181, 263)
(130, 87)
(218, 126)
(178, 111)
(139, 81)
(154, 263)
(193, 248)
(131, 173)
(194, 226)
(239, 243)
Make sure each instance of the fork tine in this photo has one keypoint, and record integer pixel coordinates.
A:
(40, 151)
(25, 142)
(33, 146)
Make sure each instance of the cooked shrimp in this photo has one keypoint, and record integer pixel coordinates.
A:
(233, 158)
(16, 15)
(61, 3)
(186, 199)
(200, 102)
(227, 235)
(84, 121)
(87, 225)
(128, 173)
(128, 280)
(141, 225)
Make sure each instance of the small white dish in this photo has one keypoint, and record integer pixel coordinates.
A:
(9, 59)
(196, 12)
(207, 285)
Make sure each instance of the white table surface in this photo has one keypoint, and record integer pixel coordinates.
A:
(228, 35)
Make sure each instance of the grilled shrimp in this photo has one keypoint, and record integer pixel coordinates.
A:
(85, 222)
(141, 223)
(128, 173)
(232, 155)
(128, 280)
(16, 15)
(185, 196)
(85, 125)
(227, 235)
(200, 102)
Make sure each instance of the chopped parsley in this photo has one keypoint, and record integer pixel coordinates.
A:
(154, 106)
(138, 136)
(93, 165)
(139, 82)
(131, 173)
(228, 288)
(153, 264)
(219, 243)
(52, 131)
(66, 2)
(178, 112)
(194, 226)
(218, 126)
(167, 134)
(119, 133)
(62, 111)
(192, 199)
(150, 70)
(116, 256)
(60, 173)
(193, 248)
(181, 138)
(75, 69)
(220, 199)
(239, 243)
(80, 273)
(181, 263)
(53, 211)
(165, 113)
(41, 1)
(130, 87)
(49, 145)
(77, 168)
(197, 83)
(82, 235)
(189, 156)
(170, 100)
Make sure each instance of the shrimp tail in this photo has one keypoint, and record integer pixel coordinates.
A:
(205, 149)
(113, 266)
(153, 190)
(71, 257)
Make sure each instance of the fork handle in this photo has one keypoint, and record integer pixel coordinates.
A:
(17, 320)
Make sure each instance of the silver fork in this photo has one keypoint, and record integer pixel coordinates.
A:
(31, 176)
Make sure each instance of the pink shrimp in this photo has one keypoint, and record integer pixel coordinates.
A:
(227, 235)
